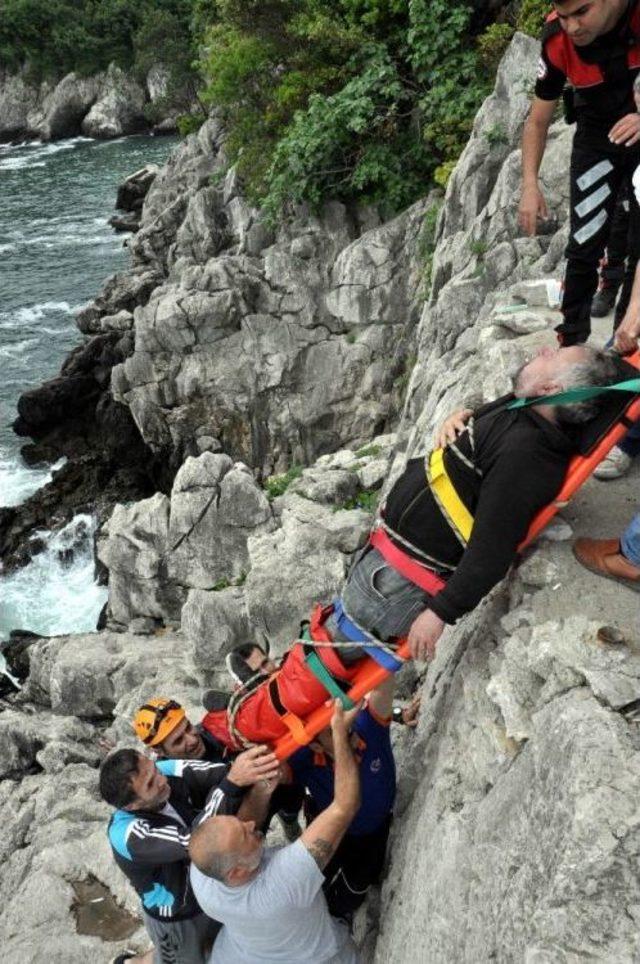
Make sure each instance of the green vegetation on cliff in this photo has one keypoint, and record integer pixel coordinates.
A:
(354, 99)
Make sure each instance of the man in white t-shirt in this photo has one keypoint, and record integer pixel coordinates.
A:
(270, 902)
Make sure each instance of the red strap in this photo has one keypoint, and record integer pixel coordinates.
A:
(317, 628)
(405, 564)
(329, 656)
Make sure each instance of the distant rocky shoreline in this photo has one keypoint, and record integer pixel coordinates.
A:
(107, 105)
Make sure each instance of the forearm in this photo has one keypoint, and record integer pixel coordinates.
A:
(346, 777)
(633, 310)
(255, 805)
(534, 140)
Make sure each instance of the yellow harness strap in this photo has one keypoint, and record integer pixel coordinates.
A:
(456, 513)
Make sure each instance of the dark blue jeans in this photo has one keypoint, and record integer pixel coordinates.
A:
(630, 541)
(631, 442)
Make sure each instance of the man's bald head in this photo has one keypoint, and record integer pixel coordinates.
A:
(227, 849)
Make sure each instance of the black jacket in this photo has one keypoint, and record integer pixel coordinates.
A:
(505, 467)
(151, 847)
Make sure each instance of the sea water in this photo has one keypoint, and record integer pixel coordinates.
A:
(56, 249)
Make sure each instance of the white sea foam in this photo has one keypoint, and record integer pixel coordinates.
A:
(18, 482)
(18, 348)
(35, 153)
(57, 592)
(20, 164)
(31, 314)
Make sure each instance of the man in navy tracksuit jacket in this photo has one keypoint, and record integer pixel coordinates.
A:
(149, 833)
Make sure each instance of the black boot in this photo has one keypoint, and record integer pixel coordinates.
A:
(603, 301)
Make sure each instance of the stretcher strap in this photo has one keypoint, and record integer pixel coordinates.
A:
(356, 635)
(579, 394)
(292, 722)
(444, 491)
(323, 676)
(405, 564)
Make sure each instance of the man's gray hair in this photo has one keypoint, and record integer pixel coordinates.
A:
(598, 368)
(219, 865)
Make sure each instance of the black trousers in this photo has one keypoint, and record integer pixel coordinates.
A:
(356, 865)
(599, 170)
(613, 265)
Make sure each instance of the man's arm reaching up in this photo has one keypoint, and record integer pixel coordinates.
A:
(321, 838)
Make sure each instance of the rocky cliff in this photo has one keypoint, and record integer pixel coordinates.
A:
(109, 104)
(249, 348)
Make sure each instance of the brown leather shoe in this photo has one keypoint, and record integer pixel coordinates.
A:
(603, 557)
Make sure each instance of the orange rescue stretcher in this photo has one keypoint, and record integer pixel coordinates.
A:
(368, 674)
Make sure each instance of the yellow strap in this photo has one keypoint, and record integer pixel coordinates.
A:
(450, 502)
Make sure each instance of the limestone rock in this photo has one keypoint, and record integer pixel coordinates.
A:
(62, 111)
(133, 547)
(214, 622)
(157, 549)
(87, 675)
(133, 190)
(54, 839)
(119, 109)
(215, 507)
(301, 563)
(333, 341)
(18, 99)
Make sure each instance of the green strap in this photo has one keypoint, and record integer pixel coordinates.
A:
(578, 394)
(322, 674)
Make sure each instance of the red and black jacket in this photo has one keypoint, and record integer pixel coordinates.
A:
(601, 73)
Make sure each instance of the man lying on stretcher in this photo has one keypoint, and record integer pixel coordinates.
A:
(448, 533)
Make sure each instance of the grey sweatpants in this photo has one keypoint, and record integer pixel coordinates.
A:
(183, 941)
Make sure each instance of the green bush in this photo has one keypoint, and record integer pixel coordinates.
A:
(427, 243)
(365, 500)
(531, 16)
(369, 451)
(350, 99)
(277, 485)
(493, 43)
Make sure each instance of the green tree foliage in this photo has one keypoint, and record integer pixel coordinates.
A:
(53, 37)
(344, 98)
(531, 16)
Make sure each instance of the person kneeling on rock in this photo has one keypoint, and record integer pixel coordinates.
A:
(448, 533)
(156, 805)
(163, 725)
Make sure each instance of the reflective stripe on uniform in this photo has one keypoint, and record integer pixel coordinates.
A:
(592, 201)
(591, 228)
(594, 174)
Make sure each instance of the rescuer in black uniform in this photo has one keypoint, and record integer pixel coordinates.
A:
(591, 56)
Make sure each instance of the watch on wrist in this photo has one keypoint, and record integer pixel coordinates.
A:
(396, 714)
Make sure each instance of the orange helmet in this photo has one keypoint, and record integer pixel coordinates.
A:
(158, 718)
